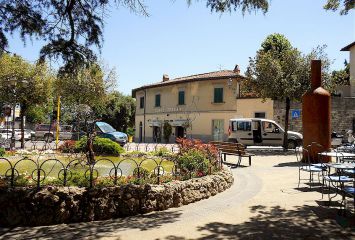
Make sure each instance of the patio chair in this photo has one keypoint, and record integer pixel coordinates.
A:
(305, 165)
(349, 191)
(336, 180)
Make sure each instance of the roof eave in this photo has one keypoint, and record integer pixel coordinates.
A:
(167, 83)
(347, 48)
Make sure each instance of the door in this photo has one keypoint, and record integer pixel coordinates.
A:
(179, 132)
(272, 135)
(156, 134)
(218, 130)
(140, 132)
(243, 132)
(256, 126)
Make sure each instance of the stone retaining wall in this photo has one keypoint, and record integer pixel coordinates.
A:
(343, 114)
(54, 205)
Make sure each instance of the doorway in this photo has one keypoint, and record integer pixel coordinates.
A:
(179, 132)
(140, 132)
(156, 134)
(257, 132)
(218, 130)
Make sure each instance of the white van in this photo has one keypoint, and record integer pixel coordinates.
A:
(261, 132)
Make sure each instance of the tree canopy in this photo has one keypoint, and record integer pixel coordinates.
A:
(280, 71)
(72, 28)
(344, 5)
(342, 77)
(119, 111)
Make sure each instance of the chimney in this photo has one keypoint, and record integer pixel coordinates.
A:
(236, 69)
(165, 77)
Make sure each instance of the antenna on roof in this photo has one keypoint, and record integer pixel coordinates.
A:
(220, 66)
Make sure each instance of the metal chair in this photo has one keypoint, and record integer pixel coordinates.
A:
(305, 165)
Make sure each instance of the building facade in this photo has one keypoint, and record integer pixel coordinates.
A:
(197, 106)
(349, 91)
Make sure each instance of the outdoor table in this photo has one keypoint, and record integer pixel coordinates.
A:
(340, 166)
(337, 155)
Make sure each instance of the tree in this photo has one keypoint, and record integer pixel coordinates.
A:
(24, 83)
(335, 5)
(167, 130)
(69, 27)
(342, 77)
(88, 86)
(119, 111)
(233, 5)
(280, 71)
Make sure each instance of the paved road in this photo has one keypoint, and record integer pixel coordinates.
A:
(263, 203)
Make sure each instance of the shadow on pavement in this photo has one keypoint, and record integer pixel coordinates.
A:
(288, 164)
(304, 222)
(92, 230)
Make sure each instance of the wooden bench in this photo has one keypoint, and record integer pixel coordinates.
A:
(236, 149)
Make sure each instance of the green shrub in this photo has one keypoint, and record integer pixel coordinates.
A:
(194, 161)
(161, 152)
(102, 146)
(2, 152)
(78, 178)
(130, 131)
(68, 146)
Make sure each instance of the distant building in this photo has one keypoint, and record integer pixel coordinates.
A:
(196, 106)
(349, 91)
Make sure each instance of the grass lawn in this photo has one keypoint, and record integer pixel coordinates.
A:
(103, 166)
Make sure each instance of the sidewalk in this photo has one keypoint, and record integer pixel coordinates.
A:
(262, 204)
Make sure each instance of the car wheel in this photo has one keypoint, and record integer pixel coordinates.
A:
(291, 144)
(48, 138)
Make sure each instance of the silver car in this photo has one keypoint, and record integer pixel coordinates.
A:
(49, 133)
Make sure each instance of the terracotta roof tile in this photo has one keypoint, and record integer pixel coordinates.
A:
(222, 74)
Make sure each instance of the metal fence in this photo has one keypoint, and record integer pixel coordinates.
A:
(45, 166)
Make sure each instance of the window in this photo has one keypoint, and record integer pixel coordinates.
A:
(260, 115)
(270, 127)
(243, 126)
(218, 95)
(141, 102)
(181, 97)
(157, 100)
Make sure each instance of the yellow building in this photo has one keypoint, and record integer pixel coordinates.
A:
(197, 106)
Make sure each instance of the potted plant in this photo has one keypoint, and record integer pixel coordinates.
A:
(167, 131)
(130, 133)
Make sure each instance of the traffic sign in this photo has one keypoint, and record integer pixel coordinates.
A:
(296, 113)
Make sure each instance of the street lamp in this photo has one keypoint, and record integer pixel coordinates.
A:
(14, 83)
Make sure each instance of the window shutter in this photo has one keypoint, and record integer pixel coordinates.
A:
(218, 95)
(181, 97)
(157, 100)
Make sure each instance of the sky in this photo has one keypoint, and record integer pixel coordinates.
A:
(180, 40)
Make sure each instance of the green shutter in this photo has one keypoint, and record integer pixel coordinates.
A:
(218, 95)
(157, 100)
(141, 102)
(181, 97)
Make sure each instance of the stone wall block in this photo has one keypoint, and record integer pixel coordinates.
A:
(54, 205)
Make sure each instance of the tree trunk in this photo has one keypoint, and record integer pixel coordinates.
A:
(285, 145)
(22, 116)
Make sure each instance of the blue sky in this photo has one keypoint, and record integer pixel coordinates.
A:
(179, 40)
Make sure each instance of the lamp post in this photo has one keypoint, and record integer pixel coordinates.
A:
(14, 83)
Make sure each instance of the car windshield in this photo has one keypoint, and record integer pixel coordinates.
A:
(105, 127)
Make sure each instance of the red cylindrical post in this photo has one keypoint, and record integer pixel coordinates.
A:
(316, 112)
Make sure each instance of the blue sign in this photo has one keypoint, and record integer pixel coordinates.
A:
(296, 114)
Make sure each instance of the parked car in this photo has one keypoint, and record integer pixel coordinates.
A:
(7, 134)
(26, 133)
(105, 130)
(261, 132)
(48, 133)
